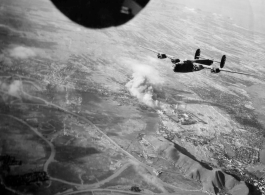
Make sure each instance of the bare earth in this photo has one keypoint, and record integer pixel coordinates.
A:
(99, 115)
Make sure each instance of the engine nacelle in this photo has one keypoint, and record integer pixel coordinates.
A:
(215, 70)
(174, 61)
(161, 56)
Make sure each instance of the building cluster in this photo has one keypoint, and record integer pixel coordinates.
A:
(194, 139)
(247, 155)
(186, 119)
(26, 179)
(122, 98)
(148, 149)
(197, 140)
(101, 90)
(258, 183)
(162, 130)
(181, 117)
(235, 167)
(243, 156)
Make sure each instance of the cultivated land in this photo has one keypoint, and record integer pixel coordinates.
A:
(88, 112)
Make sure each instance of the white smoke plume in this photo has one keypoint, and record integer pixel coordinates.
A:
(13, 89)
(5, 60)
(21, 52)
(140, 88)
(141, 85)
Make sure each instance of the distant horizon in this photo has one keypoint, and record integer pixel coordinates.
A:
(248, 14)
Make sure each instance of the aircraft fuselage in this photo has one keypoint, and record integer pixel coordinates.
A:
(186, 66)
(191, 65)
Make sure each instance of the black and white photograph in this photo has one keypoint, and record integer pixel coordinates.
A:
(127, 97)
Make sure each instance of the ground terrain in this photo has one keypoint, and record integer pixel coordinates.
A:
(99, 115)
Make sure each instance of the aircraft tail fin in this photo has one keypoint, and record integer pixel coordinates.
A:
(222, 63)
(197, 54)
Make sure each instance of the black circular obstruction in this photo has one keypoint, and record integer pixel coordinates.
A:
(100, 13)
(222, 64)
(197, 54)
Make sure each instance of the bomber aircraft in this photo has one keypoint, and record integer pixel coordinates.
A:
(196, 64)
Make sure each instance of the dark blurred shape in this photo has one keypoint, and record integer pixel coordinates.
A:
(100, 13)
(135, 189)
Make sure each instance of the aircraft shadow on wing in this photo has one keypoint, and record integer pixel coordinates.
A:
(196, 64)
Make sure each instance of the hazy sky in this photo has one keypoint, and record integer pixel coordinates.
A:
(249, 14)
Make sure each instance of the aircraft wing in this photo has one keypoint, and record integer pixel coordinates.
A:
(225, 70)
(158, 52)
(204, 66)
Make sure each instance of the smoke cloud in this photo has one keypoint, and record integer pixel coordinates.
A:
(141, 85)
(21, 52)
(13, 89)
(5, 60)
(142, 89)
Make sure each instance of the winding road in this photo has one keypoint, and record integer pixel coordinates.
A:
(98, 184)
(52, 155)
(95, 186)
(103, 190)
(150, 169)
